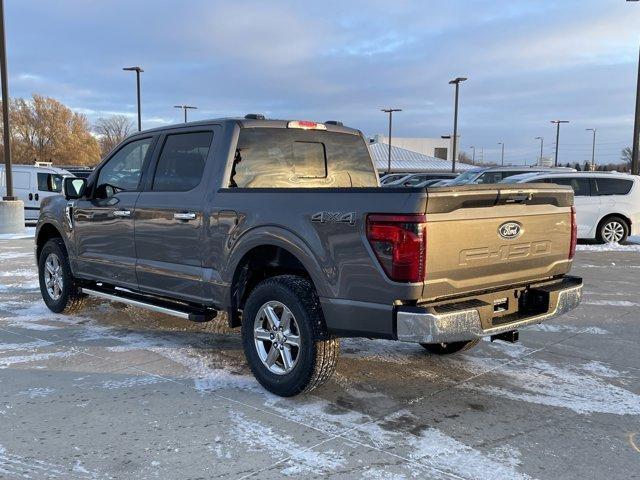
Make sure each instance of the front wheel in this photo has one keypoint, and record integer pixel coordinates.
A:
(284, 336)
(449, 348)
(59, 289)
(613, 230)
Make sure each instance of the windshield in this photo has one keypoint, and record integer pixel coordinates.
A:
(465, 177)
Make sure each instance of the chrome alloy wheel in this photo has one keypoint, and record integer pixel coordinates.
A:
(53, 276)
(277, 337)
(613, 232)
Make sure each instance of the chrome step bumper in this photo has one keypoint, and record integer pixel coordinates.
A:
(418, 325)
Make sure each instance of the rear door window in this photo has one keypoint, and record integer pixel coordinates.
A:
(581, 186)
(612, 186)
(286, 158)
(182, 160)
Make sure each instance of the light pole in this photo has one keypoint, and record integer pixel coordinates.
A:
(390, 112)
(558, 122)
(185, 108)
(541, 149)
(456, 82)
(138, 71)
(635, 151)
(593, 148)
(473, 158)
(5, 109)
(502, 161)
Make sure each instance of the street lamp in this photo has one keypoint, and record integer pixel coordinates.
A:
(185, 108)
(138, 71)
(473, 158)
(593, 148)
(541, 149)
(390, 112)
(558, 122)
(500, 143)
(456, 82)
(635, 150)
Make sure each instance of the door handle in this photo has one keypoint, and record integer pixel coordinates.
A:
(31, 196)
(122, 213)
(184, 216)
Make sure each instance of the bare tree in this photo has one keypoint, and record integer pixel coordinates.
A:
(625, 156)
(111, 131)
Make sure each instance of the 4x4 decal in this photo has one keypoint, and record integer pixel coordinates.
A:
(334, 217)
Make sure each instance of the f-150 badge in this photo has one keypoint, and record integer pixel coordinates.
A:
(334, 217)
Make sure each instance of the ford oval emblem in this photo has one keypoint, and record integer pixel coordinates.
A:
(509, 230)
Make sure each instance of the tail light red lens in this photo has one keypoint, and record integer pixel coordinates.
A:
(400, 245)
(574, 234)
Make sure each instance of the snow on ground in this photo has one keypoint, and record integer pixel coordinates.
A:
(609, 247)
(29, 232)
(585, 387)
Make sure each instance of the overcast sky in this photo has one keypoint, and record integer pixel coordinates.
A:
(528, 62)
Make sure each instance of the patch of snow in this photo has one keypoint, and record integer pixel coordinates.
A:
(37, 392)
(21, 347)
(6, 362)
(612, 265)
(298, 460)
(16, 466)
(29, 232)
(438, 452)
(609, 247)
(15, 255)
(433, 448)
(131, 382)
(612, 303)
(575, 387)
(548, 327)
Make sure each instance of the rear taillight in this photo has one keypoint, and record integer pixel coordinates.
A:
(400, 245)
(574, 233)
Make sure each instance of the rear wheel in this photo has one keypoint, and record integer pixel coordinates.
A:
(284, 336)
(60, 291)
(613, 230)
(449, 348)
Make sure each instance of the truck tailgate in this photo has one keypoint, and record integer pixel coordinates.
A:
(486, 236)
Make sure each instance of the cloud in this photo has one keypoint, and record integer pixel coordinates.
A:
(527, 62)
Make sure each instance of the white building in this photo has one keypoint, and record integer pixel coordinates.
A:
(403, 160)
(432, 147)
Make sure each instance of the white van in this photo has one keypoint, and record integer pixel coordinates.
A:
(607, 204)
(32, 183)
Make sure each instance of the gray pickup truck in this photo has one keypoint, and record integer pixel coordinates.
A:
(283, 226)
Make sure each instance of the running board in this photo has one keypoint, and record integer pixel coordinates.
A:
(142, 303)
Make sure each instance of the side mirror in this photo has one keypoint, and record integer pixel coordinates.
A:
(73, 187)
(54, 183)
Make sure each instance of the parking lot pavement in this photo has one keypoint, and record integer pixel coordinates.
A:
(118, 392)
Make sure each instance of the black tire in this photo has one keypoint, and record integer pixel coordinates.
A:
(449, 348)
(317, 355)
(70, 300)
(612, 224)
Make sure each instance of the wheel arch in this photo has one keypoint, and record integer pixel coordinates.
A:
(624, 217)
(257, 260)
(46, 232)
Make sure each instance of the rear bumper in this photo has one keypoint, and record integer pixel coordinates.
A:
(468, 320)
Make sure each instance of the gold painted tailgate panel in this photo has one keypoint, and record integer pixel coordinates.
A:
(466, 253)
